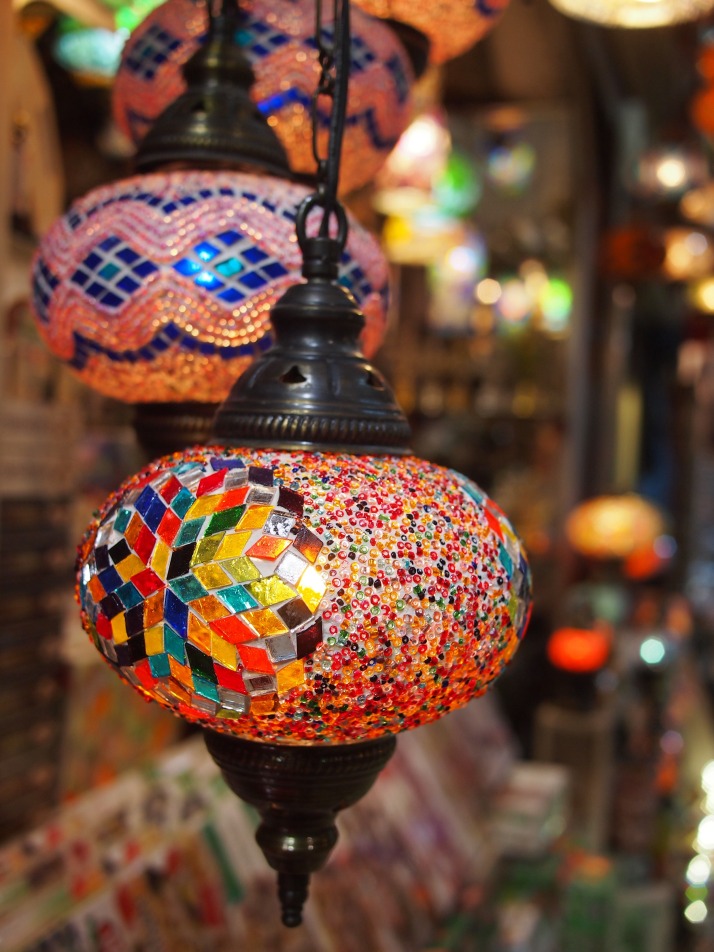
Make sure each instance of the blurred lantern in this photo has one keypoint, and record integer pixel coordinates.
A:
(90, 54)
(650, 560)
(689, 254)
(701, 295)
(422, 238)
(705, 62)
(697, 205)
(452, 281)
(515, 304)
(128, 14)
(635, 14)
(580, 650)
(555, 303)
(510, 166)
(667, 171)
(701, 111)
(632, 252)
(277, 39)
(451, 26)
(419, 157)
(613, 527)
(158, 287)
(457, 188)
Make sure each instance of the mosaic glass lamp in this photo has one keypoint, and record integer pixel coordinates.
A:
(158, 288)
(635, 14)
(277, 39)
(612, 527)
(304, 588)
(451, 26)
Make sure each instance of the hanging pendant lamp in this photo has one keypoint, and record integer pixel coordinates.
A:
(305, 588)
(635, 14)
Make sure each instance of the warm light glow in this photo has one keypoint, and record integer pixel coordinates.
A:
(515, 304)
(277, 39)
(701, 295)
(612, 527)
(705, 834)
(708, 776)
(696, 911)
(635, 13)
(488, 291)
(301, 597)
(579, 650)
(699, 870)
(419, 157)
(697, 205)
(672, 173)
(689, 255)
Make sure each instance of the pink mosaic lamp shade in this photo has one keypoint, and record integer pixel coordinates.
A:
(277, 39)
(303, 597)
(158, 287)
(451, 26)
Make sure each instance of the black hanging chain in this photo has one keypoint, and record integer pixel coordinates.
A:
(333, 56)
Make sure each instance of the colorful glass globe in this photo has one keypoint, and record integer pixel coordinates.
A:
(613, 527)
(159, 287)
(303, 598)
(451, 26)
(278, 41)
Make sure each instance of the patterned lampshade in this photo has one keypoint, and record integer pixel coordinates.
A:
(277, 39)
(303, 598)
(158, 287)
(635, 13)
(451, 26)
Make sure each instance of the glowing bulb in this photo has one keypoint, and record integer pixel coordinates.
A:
(652, 651)
(696, 912)
(705, 834)
(488, 291)
(671, 173)
(708, 776)
(699, 870)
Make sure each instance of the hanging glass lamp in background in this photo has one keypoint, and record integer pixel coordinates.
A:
(612, 527)
(451, 26)
(158, 288)
(277, 39)
(635, 14)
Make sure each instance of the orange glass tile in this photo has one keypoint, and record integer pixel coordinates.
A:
(264, 622)
(204, 506)
(96, 589)
(131, 533)
(234, 497)
(160, 558)
(206, 549)
(255, 659)
(177, 691)
(254, 517)
(210, 608)
(154, 640)
(233, 630)
(268, 547)
(212, 576)
(271, 590)
(312, 587)
(267, 704)
(223, 652)
(232, 545)
(153, 609)
(130, 566)
(199, 633)
(181, 673)
(241, 569)
(292, 675)
(119, 628)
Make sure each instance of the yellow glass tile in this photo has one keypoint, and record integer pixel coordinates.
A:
(212, 576)
(223, 652)
(232, 545)
(199, 633)
(291, 675)
(242, 569)
(210, 608)
(119, 628)
(264, 705)
(181, 672)
(264, 622)
(270, 591)
(312, 587)
(96, 589)
(160, 558)
(153, 609)
(177, 691)
(130, 566)
(204, 506)
(206, 549)
(254, 517)
(154, 640)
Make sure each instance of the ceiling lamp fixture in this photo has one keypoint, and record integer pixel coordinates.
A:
(305, 589)
(451, 26)
(276, 37)
(155, 290)
(635, 14)
(613, 527)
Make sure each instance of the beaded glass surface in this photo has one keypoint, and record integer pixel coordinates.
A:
(158, 287)
(278, 39)
(303, 598)
(451, 26)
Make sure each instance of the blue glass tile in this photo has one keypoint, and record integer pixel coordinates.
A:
(187, 587)
(109, 299)
(109, 243)
(80, 278)
(127, 255)
(208, 281)
(254, 255)
(159, 665)
(144, 269)
(231, 296)
(229, 267)
(205, 347)
(206, 251)
(95, 289)
(175, 613)
(170, 207)
(171, 331)
(145, 500)
(110, 579)
(129, 594)
(274, 270)
(127, 284)
(252, 280)
(229, 237)
(187, 266)
(154, 513)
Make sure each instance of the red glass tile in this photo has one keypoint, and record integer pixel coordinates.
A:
(233, 630)
(255, 659)
(144, 544)
(233, 680)
(209, 483)
(168, 527)
(148, 582)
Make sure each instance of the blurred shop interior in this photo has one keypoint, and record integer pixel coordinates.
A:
(547, 220)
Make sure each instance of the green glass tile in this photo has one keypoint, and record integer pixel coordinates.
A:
(174, 644)
(189, 532)
(159, 665)
(108, 271)
(226, 519)
(237, 598)
(242, 569)
(187, 587)
(182, 502)
(122, 520)
(206, 549)
(201, 664)
(205, 688)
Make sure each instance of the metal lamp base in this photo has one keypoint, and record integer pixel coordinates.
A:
(298, 792)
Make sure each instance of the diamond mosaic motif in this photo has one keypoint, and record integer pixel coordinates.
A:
(201, 595)
(112, 272)
(153, 48)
